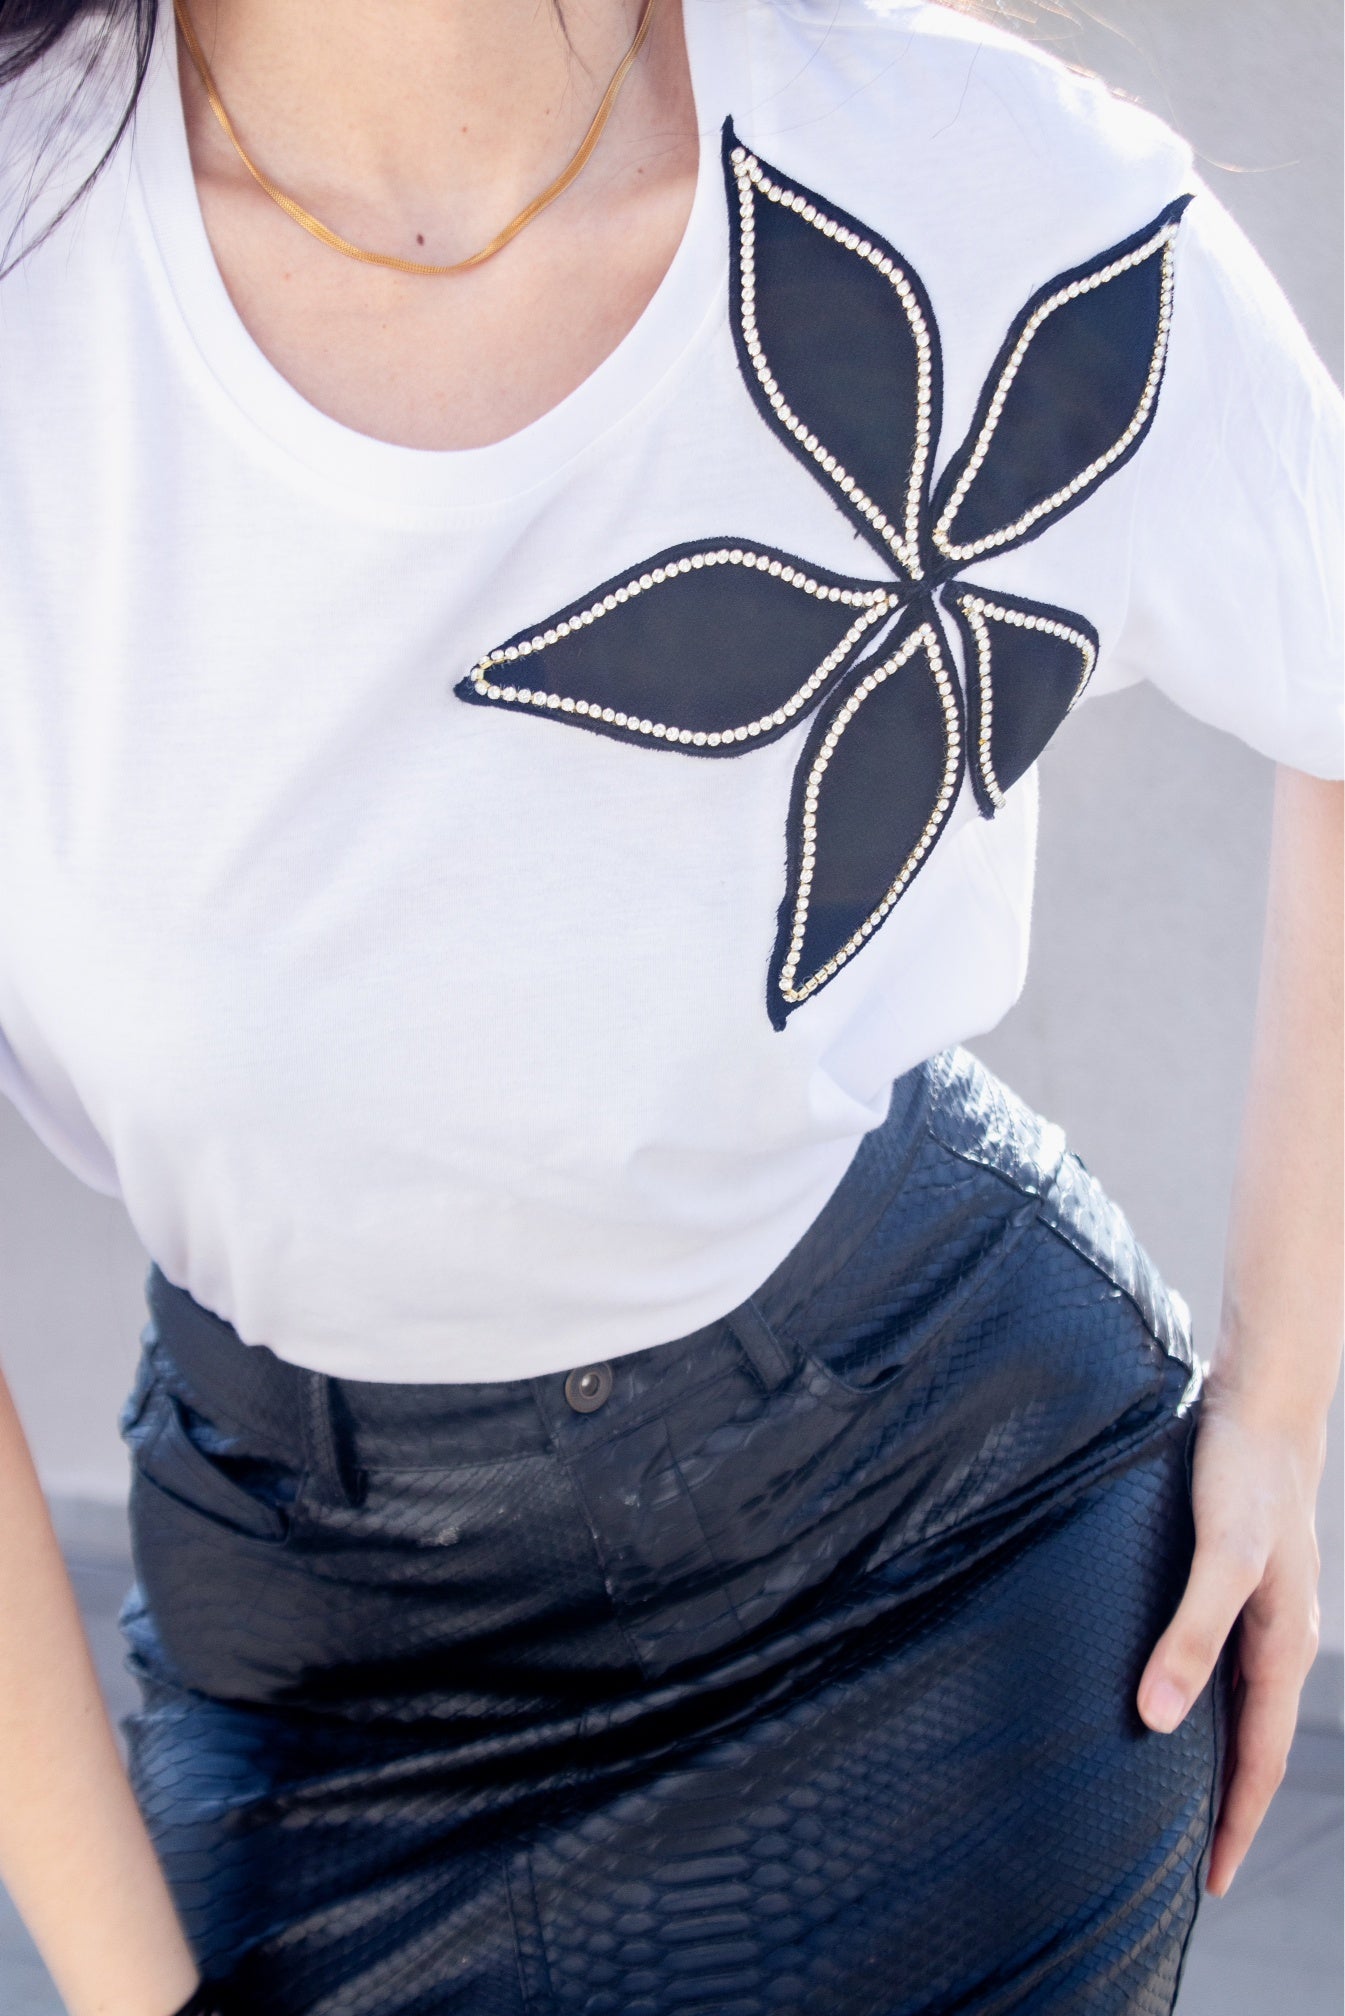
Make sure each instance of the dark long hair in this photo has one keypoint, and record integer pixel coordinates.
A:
(114, 39)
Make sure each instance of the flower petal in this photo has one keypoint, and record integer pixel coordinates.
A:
(839, 348)
(1027, 664)
(877, 779)
(1068, 400)
(708, 648)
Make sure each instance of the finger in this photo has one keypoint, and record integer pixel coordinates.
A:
(1223, 1575)
(1276, 1644)
(1264, 1731)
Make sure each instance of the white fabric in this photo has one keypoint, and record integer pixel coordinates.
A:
(427, 1042)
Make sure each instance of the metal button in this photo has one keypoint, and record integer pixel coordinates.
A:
(587, 1387)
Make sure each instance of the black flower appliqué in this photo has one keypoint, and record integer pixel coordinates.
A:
(712, 647)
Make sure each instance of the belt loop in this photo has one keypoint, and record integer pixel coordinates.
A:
(322, 1443)
(761, 1347)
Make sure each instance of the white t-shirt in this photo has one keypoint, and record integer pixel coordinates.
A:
(470, 905)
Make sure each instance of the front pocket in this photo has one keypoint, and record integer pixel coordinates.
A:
(222, 1604)
(950, 1238)
(167, 1457)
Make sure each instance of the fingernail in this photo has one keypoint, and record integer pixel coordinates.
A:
(1164, 1706)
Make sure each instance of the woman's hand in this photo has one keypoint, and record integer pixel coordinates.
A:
(1254, 1483)
(1260, 1438)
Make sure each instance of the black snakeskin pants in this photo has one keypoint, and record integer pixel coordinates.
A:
(791, 1670)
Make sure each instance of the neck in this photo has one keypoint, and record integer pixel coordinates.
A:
(437, 116)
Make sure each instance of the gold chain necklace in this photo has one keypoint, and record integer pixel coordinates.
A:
(339, 244)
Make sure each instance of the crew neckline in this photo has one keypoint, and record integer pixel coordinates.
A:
(375, 471)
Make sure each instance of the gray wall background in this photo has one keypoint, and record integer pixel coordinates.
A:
(1135, 1027)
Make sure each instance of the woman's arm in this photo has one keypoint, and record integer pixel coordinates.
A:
(1261, 1442)
(74, 1852)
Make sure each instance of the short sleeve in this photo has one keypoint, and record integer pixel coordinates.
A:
(1235, 581)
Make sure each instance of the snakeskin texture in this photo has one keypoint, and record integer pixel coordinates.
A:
(796, 1676)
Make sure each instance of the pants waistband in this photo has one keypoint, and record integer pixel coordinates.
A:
(214, 1371)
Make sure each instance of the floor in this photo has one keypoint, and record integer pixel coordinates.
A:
(1273, 1947)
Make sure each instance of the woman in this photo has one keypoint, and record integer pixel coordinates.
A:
(658, 1485)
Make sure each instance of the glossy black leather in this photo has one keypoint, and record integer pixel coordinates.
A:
(798, 1676)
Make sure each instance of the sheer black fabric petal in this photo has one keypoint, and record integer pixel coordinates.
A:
(709, 649)
(1026, 664)
(1068, 400)
(713, 646)
(876, 781)
(839, 348)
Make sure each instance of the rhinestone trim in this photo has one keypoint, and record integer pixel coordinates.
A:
(874, 604)
(976, 608)
(918, 590)
(752, 181)
(1161, 241)
(924, 638)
